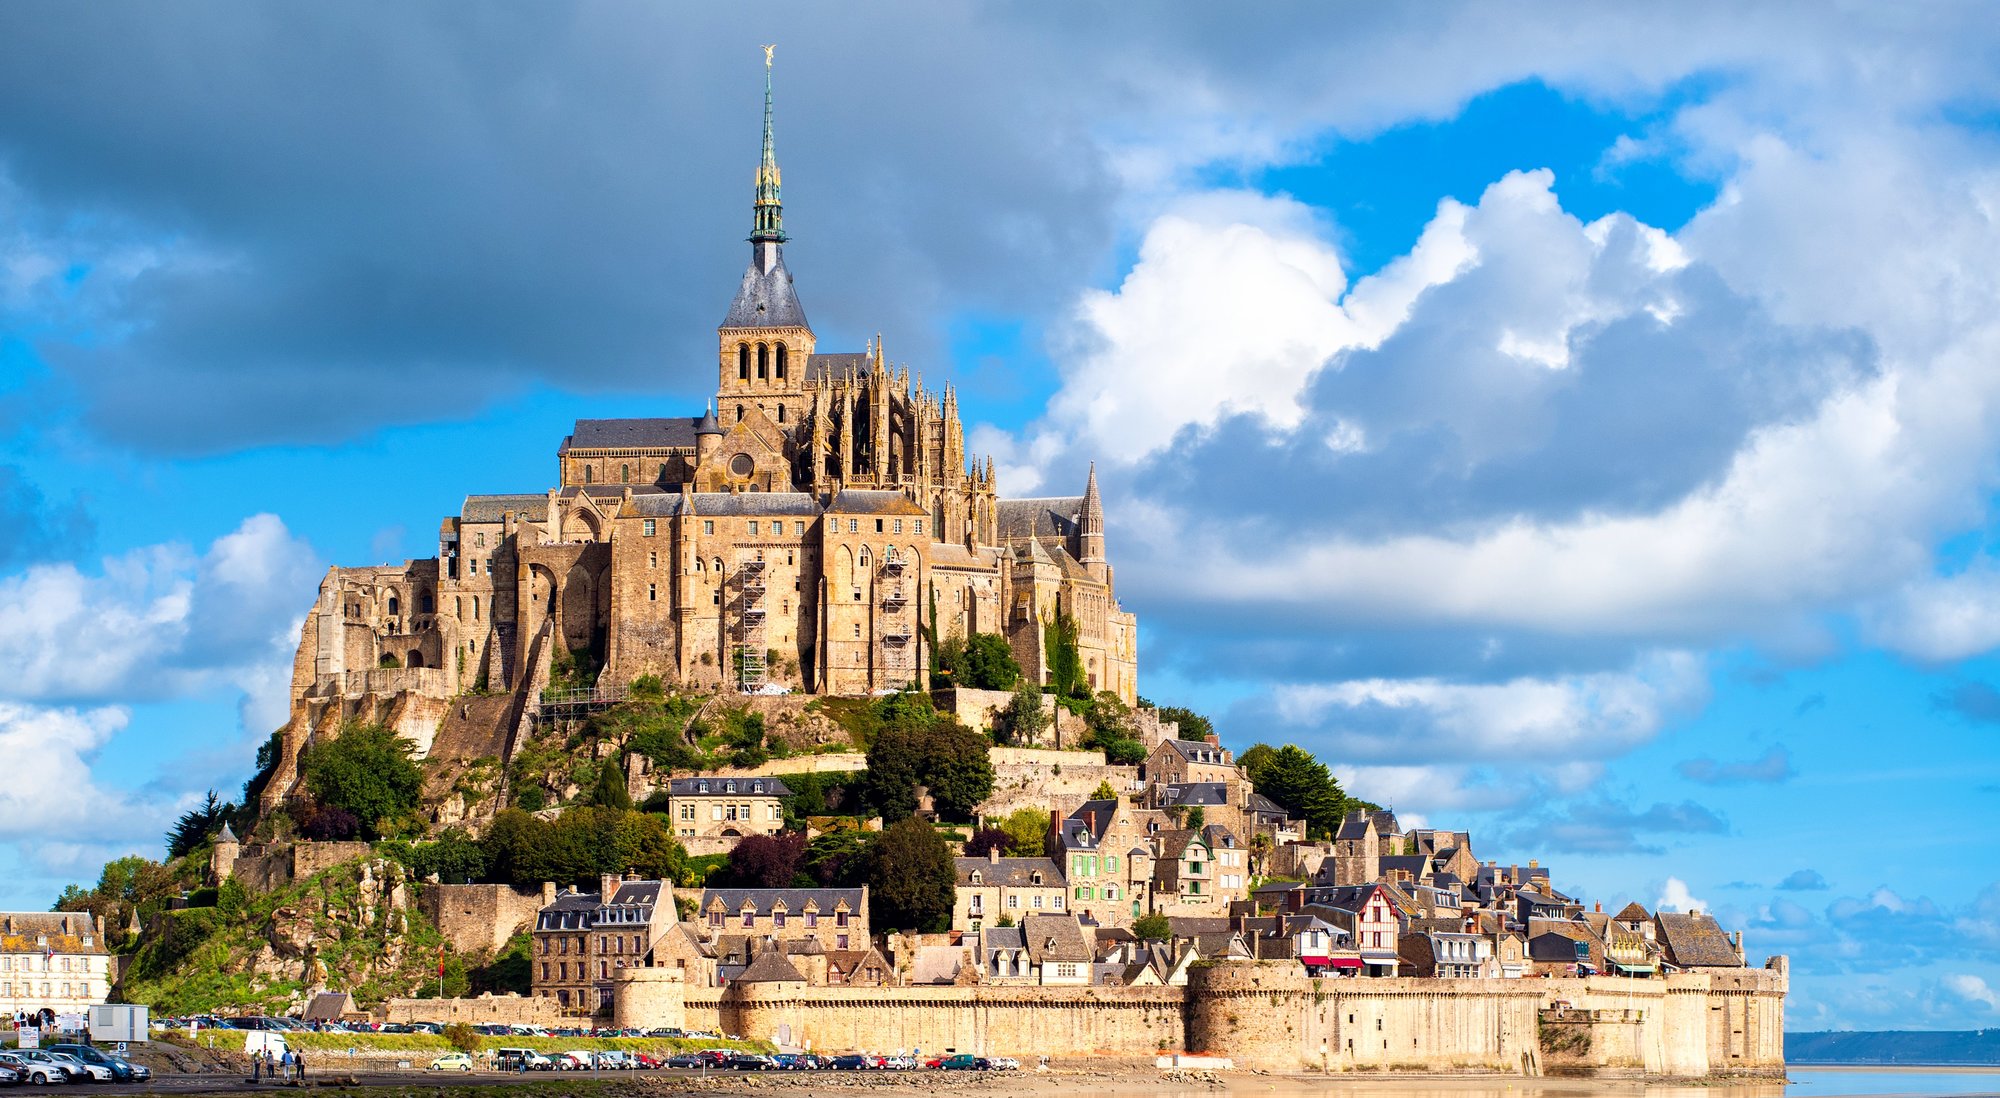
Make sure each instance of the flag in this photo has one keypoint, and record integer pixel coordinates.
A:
(440, 964)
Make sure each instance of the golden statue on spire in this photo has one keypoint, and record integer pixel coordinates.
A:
(767, 55)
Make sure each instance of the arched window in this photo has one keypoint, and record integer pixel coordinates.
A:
(763, 362)
(781, 362)
(781, 408)
(394, 603)
(588, 475)
(718, 566)
(475, 608)
(624, 474)
(742, 362)
(739, 413)
(700, 565)
(428, 603)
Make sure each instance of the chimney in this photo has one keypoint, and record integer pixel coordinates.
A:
(1212, 740)
(993, 856)
(607, 887)
(1597, 907)
(1533, 864)
(548, 893)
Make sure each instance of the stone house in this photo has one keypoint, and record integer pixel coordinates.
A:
(835, 918)
(1197, 872)
(1231, 803)
(727, 808)
(581, 939)
(858, 968)
(1554, 954)
(1446, 955)
(1179, 762)
(1695, 941)
(1104, 850)
(1042, 949)
(994, 888)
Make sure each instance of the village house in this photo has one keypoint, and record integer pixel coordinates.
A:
(836, 918)
(1178, 762)
(52, 960)
(711, 807)
(994, 889)
(582, 938)
(1105, 853)
(1042, 949)
(1197, 872)
(1445, 955)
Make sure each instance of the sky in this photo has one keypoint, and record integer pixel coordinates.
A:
(1576, 423)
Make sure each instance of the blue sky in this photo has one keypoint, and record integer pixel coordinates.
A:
(1578, 428)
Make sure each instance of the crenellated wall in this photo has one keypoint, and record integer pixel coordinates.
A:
(1269, 1015)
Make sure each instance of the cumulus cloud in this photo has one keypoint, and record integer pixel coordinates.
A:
(160, 621)
(1803, 880)
(1972, 989)
(1674, 896)
(1774, 765)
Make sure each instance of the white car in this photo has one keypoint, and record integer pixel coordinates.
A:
(79, 1070)
(575, 1060)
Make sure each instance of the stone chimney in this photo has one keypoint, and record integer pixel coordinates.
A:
(993, 856)
(607, 887)
(548, 893)
(1598, 908)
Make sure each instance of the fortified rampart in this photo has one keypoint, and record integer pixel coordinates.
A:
(476, 918)
(1268, 1015)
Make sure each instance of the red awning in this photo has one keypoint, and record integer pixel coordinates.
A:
(1343, 962)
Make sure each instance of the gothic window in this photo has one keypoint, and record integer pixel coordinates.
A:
(742, 362)
(393, 604)
(781, 408)
(781, 375)
(763, 361)
(625, 474)
(427, 603)
(587, 472)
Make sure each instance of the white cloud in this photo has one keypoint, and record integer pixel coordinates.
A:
(50, 795)
(1674, 896)
(160, 621)
(1972, 989)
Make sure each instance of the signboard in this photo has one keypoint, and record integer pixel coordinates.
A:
(71, 1023)
(121, 1048)
(120, 1022)
(30, 1037)
(264, 1040)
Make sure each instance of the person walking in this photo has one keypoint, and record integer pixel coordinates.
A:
(257, 1066)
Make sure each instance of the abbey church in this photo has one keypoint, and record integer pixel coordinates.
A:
(802, 534)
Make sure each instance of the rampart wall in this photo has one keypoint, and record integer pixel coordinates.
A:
(1270, 1016)
(265, 868)
(477, 918)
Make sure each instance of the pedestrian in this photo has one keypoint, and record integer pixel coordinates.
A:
(257, 1066)
(302, 1068)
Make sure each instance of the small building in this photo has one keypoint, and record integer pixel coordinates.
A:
(52, 960)
(1695, 941)
(582, 938)
(1446, 955)
(994, 888)
(1043, 949)
(858, 968)
(709, 807)
(1177, 762)
(836, 918)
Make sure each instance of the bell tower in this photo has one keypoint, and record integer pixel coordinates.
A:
(764, 343)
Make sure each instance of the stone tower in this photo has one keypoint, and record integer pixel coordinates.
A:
(1090, 532)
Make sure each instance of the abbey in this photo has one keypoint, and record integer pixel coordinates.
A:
(804, 533)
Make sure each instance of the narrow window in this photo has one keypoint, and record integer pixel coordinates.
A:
(878, 526)
(742, 362)
(586, 474)
(475, 608)
(753, 528)
(708, 526)
(781, 408)
(652, 560)
(625, 474)
(898, 528)
(919, 526)
(853, 526)
(739, 413)
(763, 361)
(781, 372)
(652, 592)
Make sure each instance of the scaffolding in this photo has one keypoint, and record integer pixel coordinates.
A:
(748, 657)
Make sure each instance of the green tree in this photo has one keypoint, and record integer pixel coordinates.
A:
(1108, 728)
(611, 790)
(1027, 832)
(839, 859)
(366, 770)
(646, 846)
(916, 746)
(1304, 788)
(1104, 792)
(1023, 720)
(959, 770)
(197, 825)
(912, 882)
(1193, 725)
(1197, 816)
(1152, 928)
(989, 663)
(1255, 759)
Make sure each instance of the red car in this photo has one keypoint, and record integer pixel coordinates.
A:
(646, 1061)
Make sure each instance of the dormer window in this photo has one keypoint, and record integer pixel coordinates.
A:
(729, 787)
(978, 877)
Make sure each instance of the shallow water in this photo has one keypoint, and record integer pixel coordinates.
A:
(1802, 1082)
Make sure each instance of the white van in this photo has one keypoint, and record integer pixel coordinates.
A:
(513, 1059)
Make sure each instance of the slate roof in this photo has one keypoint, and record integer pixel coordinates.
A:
(1013, 872)
(1353, 826)
(1198, 751)
(1632, 912)
(637, 894)
(1206, 794)
(1051, 517)
(874, 501)
(1077, 829)
(727, 787)
(1696, 941)
(633, 434)
(1555, 948)
(1055, 938)
(766, 298)
(756, 504)
(844, 364)
(770, 967)
(795, 899)
(497, 508)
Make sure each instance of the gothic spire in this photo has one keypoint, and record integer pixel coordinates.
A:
(769, 224)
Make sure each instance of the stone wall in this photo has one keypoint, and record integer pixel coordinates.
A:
(1025, 777)
(510, 1010)
(264, 868)
(478, 918)
(1023, 1022)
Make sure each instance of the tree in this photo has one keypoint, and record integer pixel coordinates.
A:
(1255, 759)
(985, 841)
(960, 773)
(1023, 720)
(767, 861)
(917, 746)
(1027, 832)
(1152, 928)
(840, 859)
(646, 847)
(1304, 788)
(197, 824)
(1104, 792)
(989, 663)
(1108, 728)
(611, 790)
(366, 770)
(912, 883)
(1197, 816)
(1193, 725)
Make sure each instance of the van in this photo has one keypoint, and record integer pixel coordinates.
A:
(514, 1059)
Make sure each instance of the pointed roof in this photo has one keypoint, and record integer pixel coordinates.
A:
(770, 222)
(770, 967)
(766, 299)
(228, 835)
(707, 425)
(1632, 912)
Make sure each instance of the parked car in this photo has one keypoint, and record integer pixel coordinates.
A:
(15, 1067)
(750, 1061)
(515, 1059)
(43, 1069)
(10, 1076)
(122, 1070)
(689, 1060)
(965, 1061)
(1004, 1063)
(853, 1061)
(452, 1061)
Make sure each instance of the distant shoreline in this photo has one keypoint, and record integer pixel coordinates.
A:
(1913, 1069)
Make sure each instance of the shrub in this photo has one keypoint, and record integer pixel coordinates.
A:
(366, 771)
